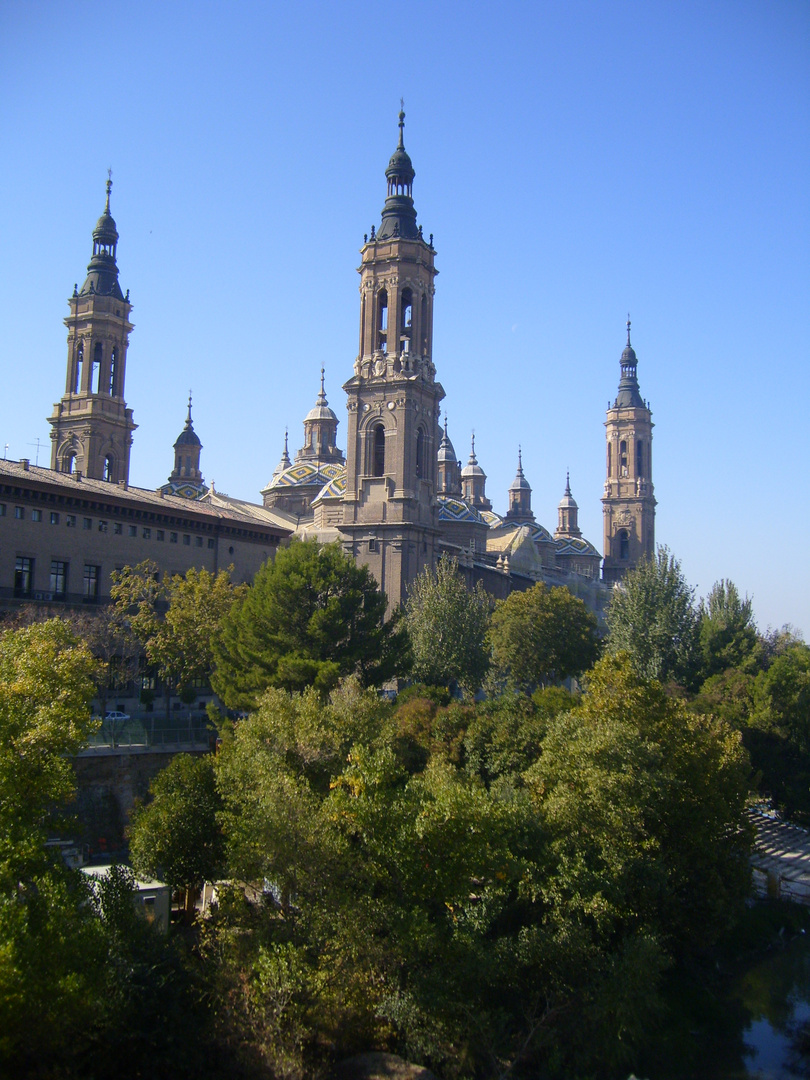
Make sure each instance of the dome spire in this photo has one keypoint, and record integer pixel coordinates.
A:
(398, 214)
(102, 270)
(628, 396)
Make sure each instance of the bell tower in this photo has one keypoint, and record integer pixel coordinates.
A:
(389, 510)
(628, 504)
(92, 426)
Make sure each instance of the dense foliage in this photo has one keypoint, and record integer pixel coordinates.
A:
(311, 617)
(447, 625)
(652, 617)
(541, 637)
(498, 888)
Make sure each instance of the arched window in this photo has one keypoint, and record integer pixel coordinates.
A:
(378, 447)
(406, 320)
(98, 353)
(623, 457)
(382, 321)
(639, 458)
(109, 466)
(113, 364)
(77, 382)
(624, 545)
(420, 454)
(69, 463)
(423, 323)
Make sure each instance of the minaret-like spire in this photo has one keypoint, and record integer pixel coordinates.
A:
(399, 215)
(320, 431)
(102, 270)
(567, 514)
(186, 478)
(520, 495)
(628, 396)
(474, 481)
(449, 480)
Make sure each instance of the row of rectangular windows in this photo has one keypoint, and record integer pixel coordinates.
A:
(24, 578)
(103, 526)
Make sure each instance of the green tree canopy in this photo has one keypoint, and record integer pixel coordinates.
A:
(46, 685)
(447, 625)
(652, 618)
(728, 633)
(176, 620)
(176, 836)
(50, 950)
(542, 636)
(646, 803)
(311, 617)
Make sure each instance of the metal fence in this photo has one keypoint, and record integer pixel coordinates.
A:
(152, 731)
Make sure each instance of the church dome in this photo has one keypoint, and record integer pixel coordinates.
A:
(453, 509)
(520, 483)
(472, 468)
(188, 436)
(305, 474)
(567, 502)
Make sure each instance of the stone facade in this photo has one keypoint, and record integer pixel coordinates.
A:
(628, 503)
(397, 501)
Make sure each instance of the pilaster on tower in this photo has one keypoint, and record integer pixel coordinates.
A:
(92, 426)
(628, 503)
(389, 511)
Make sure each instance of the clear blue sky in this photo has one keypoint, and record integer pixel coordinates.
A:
(575, 161)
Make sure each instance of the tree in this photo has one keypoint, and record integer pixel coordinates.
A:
(542, 636)
(176, 836)
(46, 685)
(50, 951)
(311, 617)
(646, 802)
(728, 634)
(652, 618)
(107, 635)
(447, 625)
(180, 643)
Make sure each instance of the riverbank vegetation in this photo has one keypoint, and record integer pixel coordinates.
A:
(521, 886)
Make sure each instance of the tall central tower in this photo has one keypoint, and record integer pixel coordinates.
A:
(628, 504)
(92, 426)
(389, 506)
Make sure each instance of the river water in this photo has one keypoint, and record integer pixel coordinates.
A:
(775, 993)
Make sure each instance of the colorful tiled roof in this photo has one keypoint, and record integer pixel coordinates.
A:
(453, 509)
(306, 474)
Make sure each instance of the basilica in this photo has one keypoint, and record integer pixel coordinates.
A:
(397, 499)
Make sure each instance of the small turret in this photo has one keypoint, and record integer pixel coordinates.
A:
(398, 214)
(320, 432)
(567, 515)
(449, 482)
(520, 496)
(186, 478)
(474, 482)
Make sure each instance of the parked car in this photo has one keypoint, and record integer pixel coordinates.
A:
(115, 717)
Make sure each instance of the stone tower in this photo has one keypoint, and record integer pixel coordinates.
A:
(92, 426)
(449, 467)
(320, 433)
(186, 478)
(567, 515)
(628, 504)
(474, 481)
(389, 506)
(520, 496)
